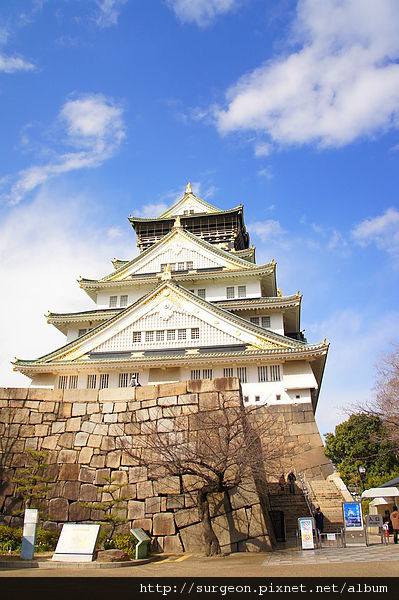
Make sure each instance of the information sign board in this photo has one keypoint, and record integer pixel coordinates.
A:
(306, 530)
(374, 521)
(76, 543)
(353, 517)
(31, 518)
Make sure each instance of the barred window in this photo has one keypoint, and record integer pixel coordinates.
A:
(262, 374)
(172, 266)
(274, 372)
(123, 300)
(242, 291)
(91, 382)
(195, 374)
(229, 292)
(82, 332)
(190, 265)
(171, 334)
(254, 320)
(181, 334)
(160, 335)
(113, 301)
(257, 398)
(149, 336)
(266, 322)
(195, 333)
(180, 266)
(163, 265)
(201, 293)
(73, 382)
(228, 372)
(207, 374)
(136, 337)
(124, 379)
(62, 382)
(246, 399)
(278, 396)
(242, 374)
(104, 381)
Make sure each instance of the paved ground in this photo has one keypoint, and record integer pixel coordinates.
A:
(374, 561)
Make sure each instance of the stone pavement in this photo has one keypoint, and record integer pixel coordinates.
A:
(334, 555)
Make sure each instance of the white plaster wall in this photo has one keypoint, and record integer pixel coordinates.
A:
(298, 375)
(134, 293)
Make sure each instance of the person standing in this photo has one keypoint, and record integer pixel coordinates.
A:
(395, 523)
(281, 482)
(291, 480)
(319, 520)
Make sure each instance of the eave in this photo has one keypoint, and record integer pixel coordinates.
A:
(138, 220)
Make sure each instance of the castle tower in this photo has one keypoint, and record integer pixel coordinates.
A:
(192, 305)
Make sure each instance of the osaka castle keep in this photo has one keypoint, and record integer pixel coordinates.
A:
(192, 305)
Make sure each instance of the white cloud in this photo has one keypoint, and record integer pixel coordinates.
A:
(267, 230)
(12, 64)
(382, 231)
(201, 12)
(108, 12)
(44, 247)
(266, 172)
(147, 211)
(341, 83)
(94, 130)
(263, 149)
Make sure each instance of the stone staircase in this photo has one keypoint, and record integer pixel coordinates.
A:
(293, 506)
(325, 494)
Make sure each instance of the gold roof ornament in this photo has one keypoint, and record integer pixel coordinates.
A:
(279, 293)
(298, 294)
(325, 341)
(167, 274)
(188, 188)
(177, 222)
(272, 262)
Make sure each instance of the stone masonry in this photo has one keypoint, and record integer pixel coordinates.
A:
(82, 431)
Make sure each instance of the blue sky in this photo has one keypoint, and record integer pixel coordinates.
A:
(291, 108)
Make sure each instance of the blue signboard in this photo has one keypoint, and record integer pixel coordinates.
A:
(353, 517)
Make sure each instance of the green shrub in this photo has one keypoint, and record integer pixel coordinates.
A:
(125, 542)
(11, 539)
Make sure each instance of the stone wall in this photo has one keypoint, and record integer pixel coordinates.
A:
(87, 433)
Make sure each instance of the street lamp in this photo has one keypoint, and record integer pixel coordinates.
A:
(362, 473)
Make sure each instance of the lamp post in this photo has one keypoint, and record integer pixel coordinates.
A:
(362, 473)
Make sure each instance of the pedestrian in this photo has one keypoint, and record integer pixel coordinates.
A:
(319, 519)
(291, 480)
(395, 523)
(281, 482)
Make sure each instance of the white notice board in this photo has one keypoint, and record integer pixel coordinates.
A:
(77, 542)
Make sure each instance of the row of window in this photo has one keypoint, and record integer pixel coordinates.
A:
(263, 321)
(168, 334)
(266, 373)
(113, 301)
(241, 292)
(186, 265)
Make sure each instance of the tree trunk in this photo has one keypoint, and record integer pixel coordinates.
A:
(212, 545)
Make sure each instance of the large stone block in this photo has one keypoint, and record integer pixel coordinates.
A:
(107, 444)
(88, 492)
(113, 459)
(142, 414)
(41, 430)
(66, 440)
(87, 475)
(94, 441)
(257, 526)
(67, 456)
(77, 512)
(58, 509)
(209, 401)
(82, 395)
(135, 510)
(74, 424)
(85, 456)
(186, 517)
(167, 485)
(152, 505)
(145, 524)
(81, 438)
(172, 389)
(71, 490)
(192, 538)
(243, 496)
(102, 476)
(175, 502)
(144, 489)
(119, 477)
(232, 527)
(138, 474)
(147, 392)
(171, 544)
(88, 427)
(98, 461)
(168, 401)
(50, 442)
(117, 394)
(163, 524)
(58, 427)
(79, 409)
(69, 472)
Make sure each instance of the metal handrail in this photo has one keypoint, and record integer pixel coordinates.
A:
(306, 493)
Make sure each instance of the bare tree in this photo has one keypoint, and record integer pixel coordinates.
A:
(221, 448)
(385, 404)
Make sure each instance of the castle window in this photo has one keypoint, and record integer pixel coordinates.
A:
(278, 396)
(266, 322)
(207, 374)
(163, 265)
(180, 266)
(242, 291)
(262, 374)
(246, 399)
(195, 333)
(257, 398)
(81, 332)
(104, 381)
(124, 379)
(190, 265)
(160, 335)
(242, 374)
(113, 301)
(181, 334)
(73, 382)
(274, 373)
(149, 336)
(171, 334)
(62, 382)
(228, 372)
(230, 293)
(136, 337)
(172, 266)
(195, 374)
(123, 301)
(201, 293)
(254, 320)
(91, 382)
